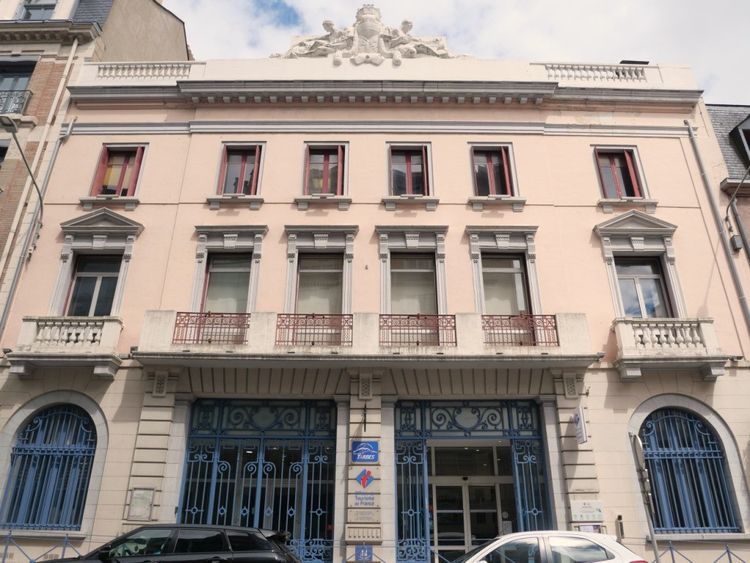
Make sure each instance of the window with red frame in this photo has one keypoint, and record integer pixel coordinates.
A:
(409, 171)
(324, 170)
(492, 175)
(239, 170)
(617, 173)
(118, 170)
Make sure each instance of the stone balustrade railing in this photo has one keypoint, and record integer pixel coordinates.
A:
(667, 334)
(595, 72)
(144, 71)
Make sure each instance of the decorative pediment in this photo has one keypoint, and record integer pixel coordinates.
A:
(367, 41)
(101, 221)
(635, 223)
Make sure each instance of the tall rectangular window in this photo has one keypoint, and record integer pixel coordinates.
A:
(409, 171)
(117, 174)
(324, 173)
(227, 283)
(239, 170)
(617, 173)
(413, 284)
(505, 285)
(492, 171)
(37, 9)
(94, 285)
(320, 283)
(642, 287)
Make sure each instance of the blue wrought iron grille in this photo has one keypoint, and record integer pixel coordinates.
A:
(690, 483)
(420, 421)
(50, 466)
(266, 464)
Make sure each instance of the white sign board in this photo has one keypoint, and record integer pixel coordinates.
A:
(586, 511)
(579, 419)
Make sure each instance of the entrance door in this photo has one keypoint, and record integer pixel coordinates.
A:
(472, 496)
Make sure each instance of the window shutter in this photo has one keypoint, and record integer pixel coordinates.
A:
(633, 176)
(425, 175)
(223, 171)
(256, 171)
(506, 170)
(136, 171)
(306, 186)
(96, 188)
(340, 178)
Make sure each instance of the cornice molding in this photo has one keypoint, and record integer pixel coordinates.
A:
(49, 31)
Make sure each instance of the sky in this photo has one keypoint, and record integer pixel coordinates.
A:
(710, 36)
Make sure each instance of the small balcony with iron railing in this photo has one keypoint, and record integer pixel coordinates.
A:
(313, 329)
(417, 331)
(520, 330)
(210, 328)
(67, 342)
(14, 101)
(652, 344)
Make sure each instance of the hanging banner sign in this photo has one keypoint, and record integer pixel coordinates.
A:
(579, 419)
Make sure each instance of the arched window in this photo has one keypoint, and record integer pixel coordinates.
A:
(49, 473)
(690, 483)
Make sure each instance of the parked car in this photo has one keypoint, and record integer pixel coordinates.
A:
(175, 543)
(551, 547)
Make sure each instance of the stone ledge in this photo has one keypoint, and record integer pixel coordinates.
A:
(608, 205)
(234, 200)
(478, 203)
(129, 203)
(304, 202)
(393, 202)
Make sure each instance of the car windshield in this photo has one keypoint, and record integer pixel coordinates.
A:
(470, 554)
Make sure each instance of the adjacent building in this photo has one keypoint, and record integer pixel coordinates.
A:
(382, 297)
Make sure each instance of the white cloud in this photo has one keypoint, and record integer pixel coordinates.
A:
(711, 36)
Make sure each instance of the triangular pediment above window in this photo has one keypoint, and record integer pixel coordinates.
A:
(635, 223)
(102, 221)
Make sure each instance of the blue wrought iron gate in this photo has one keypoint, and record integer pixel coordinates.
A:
(266, 464)
(420, 421)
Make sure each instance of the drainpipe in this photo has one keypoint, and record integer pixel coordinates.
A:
(34, 225)
(720, 227)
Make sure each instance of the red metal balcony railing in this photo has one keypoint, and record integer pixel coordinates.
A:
(520, 330)
(417, 330)
(211, 328)
(313, 330)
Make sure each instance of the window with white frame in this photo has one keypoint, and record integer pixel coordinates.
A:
(413, 284)
(505, 284)
(320, 283)
(642, 289)
(492, 171)
(409, 171)
(94, 284)
(618, 173)
(118, 171)
(227, 283)
(240, 168)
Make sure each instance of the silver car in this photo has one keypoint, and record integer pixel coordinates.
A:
(551, 547)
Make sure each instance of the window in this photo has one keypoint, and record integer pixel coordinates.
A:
(227, 283)
(576, 550)
(94, 285)
(151, 541)
(37, 9)
(409, 171)
(14, 84)
(118, 171)
(642, 288)
(690, 482)
(523, 550)
(50, 468)
(505, 286)
(324, 171)
(492, 172)
(200, 541)
(617, 173)
(319, 283)
(239, 170)
(247, 541)
(413, 287)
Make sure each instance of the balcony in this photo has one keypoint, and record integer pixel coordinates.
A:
(653, 344)
(417, 330)
(210, 328)
(314, 330)
(67, 342)
(520, 330)
(14, 101)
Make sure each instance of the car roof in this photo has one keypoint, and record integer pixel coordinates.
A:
(205, 527)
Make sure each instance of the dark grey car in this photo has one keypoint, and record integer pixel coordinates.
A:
(174, 543)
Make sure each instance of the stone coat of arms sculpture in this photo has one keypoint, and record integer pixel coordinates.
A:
(368, 40)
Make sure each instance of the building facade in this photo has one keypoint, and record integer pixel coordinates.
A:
(42, 44)
(378, 296)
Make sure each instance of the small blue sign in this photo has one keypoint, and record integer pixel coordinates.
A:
(364, 452)
(363, 553)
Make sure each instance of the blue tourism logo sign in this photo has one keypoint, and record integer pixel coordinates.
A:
(364, 451)
(365, 478)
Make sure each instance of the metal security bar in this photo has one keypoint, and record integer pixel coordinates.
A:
(14, 101)
(690, 484)
(313, 330)
(267, 464)
(211, 328)
(520, 330)
(49, 471)
(417, 330)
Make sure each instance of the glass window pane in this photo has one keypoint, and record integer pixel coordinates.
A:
(398, 171)
(640, 268)
(81, 297)
(242, 541)
(464, 461)
(576, 550)
(247, 180)
(98, 264)
(449, 498)
(413, 293)
(234, 169)
(328, 262)
(417, 174)
(653, 298)
(504, 293)
(481, 174)
(524, 550)
(333, 175)
(115, 164)
(498, 171)
(608, 180)
(230, 263)
(106, 296)
(629, 298)
(145, 542)
(319, 292)
(450, 528)
(199, 541)
(414, 262)
(483, 526)
(227, 292)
